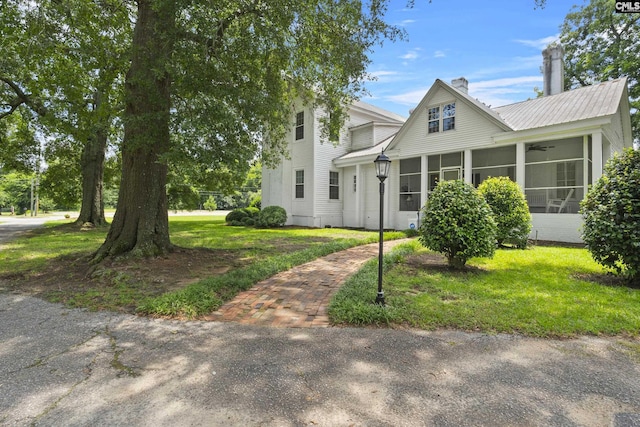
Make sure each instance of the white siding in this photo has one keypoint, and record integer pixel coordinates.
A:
(301, 152)
(472, 130)
(556, 227)
(349, 197)
(362, 138)
(382, 132)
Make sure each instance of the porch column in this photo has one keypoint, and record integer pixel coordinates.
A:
(585, 164)
(520, 168)
(596, 155)
(468, 167)
(424, 179)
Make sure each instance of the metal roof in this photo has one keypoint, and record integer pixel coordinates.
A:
(589, 102)
(369, 151)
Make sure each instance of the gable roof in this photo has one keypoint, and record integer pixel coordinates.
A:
(483, 109)
(382, 114)
(588, 102)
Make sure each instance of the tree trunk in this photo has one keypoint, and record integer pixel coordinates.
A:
(140, 226)
(92, 165)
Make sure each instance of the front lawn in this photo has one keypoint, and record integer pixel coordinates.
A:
(212, 263)
(541, 291)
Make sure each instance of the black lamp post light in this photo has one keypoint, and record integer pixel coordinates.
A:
(383, 163)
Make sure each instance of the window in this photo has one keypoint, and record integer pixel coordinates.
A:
(449, 117)
(300, 126)
(410, 186)
(445, 121)
(300, 184)
(334, 185)
(434, 119)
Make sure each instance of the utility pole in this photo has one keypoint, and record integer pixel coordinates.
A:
(31, 199)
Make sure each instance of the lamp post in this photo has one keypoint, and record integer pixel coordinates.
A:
(382, 163)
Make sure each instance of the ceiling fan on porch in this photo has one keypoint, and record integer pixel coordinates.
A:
(538, 147)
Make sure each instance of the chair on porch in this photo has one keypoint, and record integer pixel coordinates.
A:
(559, 204)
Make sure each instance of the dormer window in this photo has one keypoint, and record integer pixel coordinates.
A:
(442, 117)
(300, 125)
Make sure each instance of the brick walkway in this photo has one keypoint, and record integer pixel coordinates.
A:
(298, 297)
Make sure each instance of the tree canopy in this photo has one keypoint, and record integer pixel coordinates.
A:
(601, 45)
(62, 71)
(211, 85)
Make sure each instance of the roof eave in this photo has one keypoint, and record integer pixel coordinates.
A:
(551, 132)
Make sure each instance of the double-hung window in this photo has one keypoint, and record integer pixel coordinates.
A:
(300, 184)
(334, 186)
(442, 118)
(300, 125)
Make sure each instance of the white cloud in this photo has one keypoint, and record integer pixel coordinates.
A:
(383, 73)
(407, 22)
(411, 55)
(505, 91)
(439, 54)
(411, 98)
(505, 82)
(519, 63)
(539, 43)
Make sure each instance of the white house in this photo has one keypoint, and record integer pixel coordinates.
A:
(553, 146)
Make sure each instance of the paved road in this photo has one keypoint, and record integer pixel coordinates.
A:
(62, 367)
(11, 226)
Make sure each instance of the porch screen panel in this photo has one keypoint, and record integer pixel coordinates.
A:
(493, 162)
(554, 176)
(410, 184)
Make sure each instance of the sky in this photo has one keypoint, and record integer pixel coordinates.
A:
(495, 44)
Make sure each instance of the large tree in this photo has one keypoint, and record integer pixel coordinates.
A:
(601, 45)
(210, 81)
(62, 69)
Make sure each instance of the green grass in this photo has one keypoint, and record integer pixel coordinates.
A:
(260, 253)
(541, 291)
(45, 244)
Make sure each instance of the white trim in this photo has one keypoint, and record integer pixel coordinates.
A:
(596, 156)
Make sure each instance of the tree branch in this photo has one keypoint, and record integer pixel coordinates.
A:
(21, 98)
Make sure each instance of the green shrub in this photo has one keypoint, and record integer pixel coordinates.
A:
(211, 204)
(458, 223)
(256, 201)
(236, 215)
(410, 232)
(272, 216)
(611, 212)
(252, 212)
(248, 221)
(510, 210)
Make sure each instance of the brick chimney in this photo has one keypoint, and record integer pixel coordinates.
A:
(553, 70)
(461, 84)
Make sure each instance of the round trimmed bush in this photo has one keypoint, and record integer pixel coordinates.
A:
(236, 215)
(458, 222)
(252, 212)
(611, 212)
(510, 210)
(271, 216)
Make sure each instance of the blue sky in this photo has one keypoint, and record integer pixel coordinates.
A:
(496, 45)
